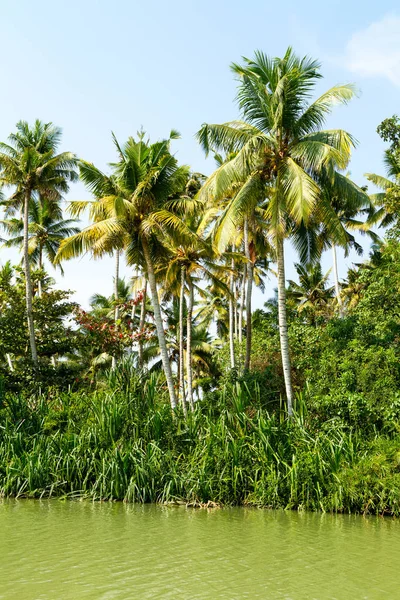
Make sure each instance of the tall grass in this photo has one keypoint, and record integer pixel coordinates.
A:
(123, 443)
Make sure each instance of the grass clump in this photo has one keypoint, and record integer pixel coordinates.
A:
(123, 443)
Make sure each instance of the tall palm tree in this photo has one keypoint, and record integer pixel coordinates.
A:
(139, 217)
(280, 150)
(249, 236)
(30, 165)
(46, 229)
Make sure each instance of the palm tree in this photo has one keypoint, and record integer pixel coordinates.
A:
(30, 165)
(387, 201)
(201, 347)
(105, 306)
(280, 150)
(212, 307)
(352, 288)
(351, 205)
(311, 295)
(188, 263)
(6, 277)
(250, 235)
(139, 217)
(46, 230)
(107, 194)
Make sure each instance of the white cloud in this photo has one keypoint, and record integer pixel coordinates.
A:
(375, 51)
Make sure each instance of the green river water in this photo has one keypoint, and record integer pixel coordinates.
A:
(55, 550)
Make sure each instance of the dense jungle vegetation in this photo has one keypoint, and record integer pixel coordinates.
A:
(174, 389)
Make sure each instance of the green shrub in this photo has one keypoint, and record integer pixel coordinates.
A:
(119, 444)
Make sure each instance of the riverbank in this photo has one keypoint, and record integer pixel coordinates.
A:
(127, 445)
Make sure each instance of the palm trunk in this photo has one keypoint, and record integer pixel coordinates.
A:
(116, 280)
(181, 349)
(250, 272)
(159, 323)
(133, 315)
(235, 315)
(336, 278)
(10, 363)
(189, 344)
(141, 325)
(28, 282)
(283, 330)
(242, 300)
(231, 329)
(116, 315)
(40, 286)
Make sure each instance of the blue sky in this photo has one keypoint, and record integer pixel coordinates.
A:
(92, 67)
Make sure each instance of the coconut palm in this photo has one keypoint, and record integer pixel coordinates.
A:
(46, 229)
(280, 151)
(105, 306)
(352, 288)
(356, 213)
(312, 296)
(187, 264)
(212, 307)
(139, 217)
(386, 215)
(30, 165)
(201, 349)
(107, 194)
(250, 236)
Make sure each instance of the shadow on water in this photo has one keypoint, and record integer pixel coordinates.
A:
(80, 550)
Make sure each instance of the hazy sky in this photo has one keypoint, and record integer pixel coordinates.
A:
(96, 67)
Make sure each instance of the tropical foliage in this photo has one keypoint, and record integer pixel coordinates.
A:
(173, 386)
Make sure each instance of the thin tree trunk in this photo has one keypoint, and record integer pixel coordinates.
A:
(189, 343)
(116, 314)
(283, 330)
(10, 363)
(250, 272)
(28, 282)
(235, 311)
(242, 300)
(231, 329)
(141, 325)
(133, 315)
(181, 349)
(336, 278)
(116, 280)
(40, 286)
(159, 324)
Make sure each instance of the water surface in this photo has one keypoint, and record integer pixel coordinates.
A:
(57, 550)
